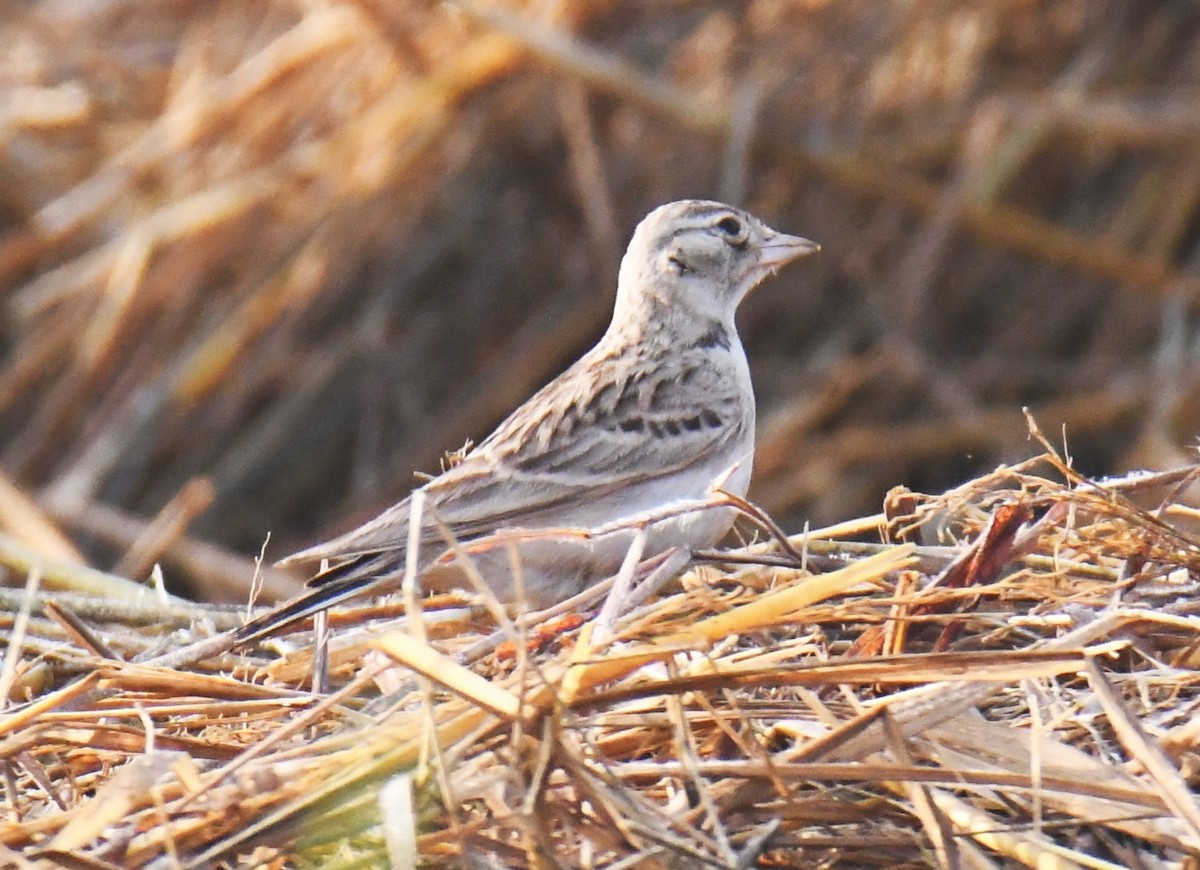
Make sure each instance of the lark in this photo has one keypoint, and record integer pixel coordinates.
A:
(631, 439)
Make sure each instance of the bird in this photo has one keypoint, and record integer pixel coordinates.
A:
(654, 417)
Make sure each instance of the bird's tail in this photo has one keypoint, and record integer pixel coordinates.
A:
(348, 580)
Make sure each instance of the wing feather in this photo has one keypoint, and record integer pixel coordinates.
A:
(570, 445)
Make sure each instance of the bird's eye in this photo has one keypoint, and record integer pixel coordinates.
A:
(733, 228)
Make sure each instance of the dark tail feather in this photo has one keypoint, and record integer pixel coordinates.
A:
(333, 587)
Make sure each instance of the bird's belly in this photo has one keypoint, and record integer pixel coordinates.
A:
(688, 485)
(547, 564)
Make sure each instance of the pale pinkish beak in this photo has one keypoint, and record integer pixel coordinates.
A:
(780, 249)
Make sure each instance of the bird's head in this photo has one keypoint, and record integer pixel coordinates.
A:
(702, 257)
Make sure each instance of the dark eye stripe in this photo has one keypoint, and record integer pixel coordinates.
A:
(736, 228)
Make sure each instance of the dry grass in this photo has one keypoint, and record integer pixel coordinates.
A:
(1023, 690)
(260, 261)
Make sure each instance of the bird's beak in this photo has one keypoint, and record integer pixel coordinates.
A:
(780, 249)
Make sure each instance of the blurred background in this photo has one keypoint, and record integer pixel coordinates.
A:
(261, 262)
